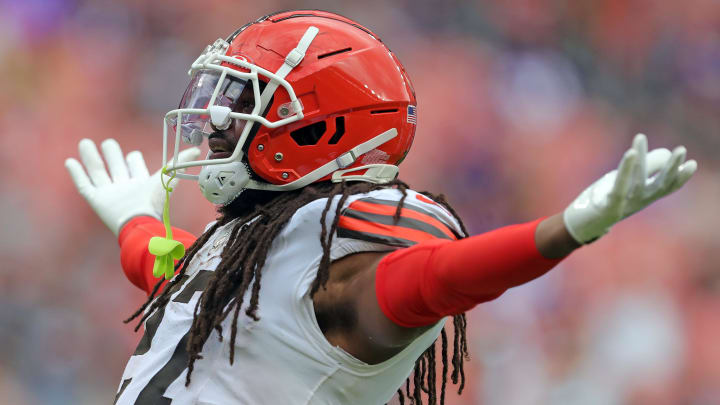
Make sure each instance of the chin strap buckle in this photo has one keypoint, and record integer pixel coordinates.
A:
(346, 159)
(375, 173)
(294, 57)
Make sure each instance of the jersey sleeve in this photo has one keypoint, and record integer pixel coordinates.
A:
(136, 260)
(371, 218)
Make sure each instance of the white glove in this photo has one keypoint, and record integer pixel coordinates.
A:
(640, 179)
(129, 191)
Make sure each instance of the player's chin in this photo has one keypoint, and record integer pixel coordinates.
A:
(220, 155)
(247, 202)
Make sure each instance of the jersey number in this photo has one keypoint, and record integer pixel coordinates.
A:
(153, 392)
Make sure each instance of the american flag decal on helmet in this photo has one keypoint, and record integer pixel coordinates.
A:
(412, 114)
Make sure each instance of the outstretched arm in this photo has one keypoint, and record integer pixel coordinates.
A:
(127, 199)
(399, 295)
(420, 285)
(417, 286)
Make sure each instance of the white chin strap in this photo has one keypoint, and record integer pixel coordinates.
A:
(375, 173)
(291, 61)
(222, 183)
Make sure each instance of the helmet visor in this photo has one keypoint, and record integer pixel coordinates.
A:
(233, 92)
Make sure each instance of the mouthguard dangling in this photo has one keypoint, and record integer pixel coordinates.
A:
(166, 250)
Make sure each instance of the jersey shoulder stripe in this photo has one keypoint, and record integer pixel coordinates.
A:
(372, 219)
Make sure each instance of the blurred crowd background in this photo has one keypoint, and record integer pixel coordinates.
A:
(522, 104)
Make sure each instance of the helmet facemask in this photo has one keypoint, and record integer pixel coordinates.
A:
(210, 102)
(220, 183)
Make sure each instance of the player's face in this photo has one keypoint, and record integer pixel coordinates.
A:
(222, 142)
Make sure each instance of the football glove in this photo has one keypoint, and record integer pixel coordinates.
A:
(128, 191)
(640, 179)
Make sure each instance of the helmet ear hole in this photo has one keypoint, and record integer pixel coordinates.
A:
(339, 130)
(309, 134)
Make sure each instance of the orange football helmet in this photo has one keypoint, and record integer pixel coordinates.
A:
(332, 102)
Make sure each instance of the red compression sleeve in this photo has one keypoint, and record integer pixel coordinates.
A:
(419, 285)
(136, 260)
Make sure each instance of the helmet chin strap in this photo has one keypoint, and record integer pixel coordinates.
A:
(222, 183)
(291, 61)
(376, 173)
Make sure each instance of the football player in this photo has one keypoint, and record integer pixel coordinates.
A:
(325, 280)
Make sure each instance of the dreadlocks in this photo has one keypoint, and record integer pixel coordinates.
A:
(260, 218)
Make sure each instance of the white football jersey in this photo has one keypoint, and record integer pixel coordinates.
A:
(284, 357)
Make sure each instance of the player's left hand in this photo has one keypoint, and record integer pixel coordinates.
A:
(640, 179)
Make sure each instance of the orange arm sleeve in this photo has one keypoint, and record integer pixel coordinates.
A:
(136, 260)
(419, 285)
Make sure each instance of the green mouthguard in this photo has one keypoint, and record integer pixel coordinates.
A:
(166, 250)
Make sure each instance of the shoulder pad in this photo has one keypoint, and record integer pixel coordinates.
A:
(371, 217)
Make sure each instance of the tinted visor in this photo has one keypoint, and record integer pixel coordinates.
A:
(233, 92)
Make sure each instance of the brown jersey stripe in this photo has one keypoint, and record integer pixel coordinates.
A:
(376, 238)
(122, 389)
(408, 211)
(376, 228)
(403, 221)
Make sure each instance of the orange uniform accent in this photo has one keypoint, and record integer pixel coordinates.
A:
(420, 285)
(425, 199)
(385, 230)
(373, 208)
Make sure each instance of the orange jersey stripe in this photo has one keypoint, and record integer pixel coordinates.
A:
(380, 209)
(384, 230)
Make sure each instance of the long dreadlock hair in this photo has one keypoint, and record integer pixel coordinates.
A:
(261, 218)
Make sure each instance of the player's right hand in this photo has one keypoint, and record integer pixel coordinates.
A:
(640, 179)
(128, 191)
